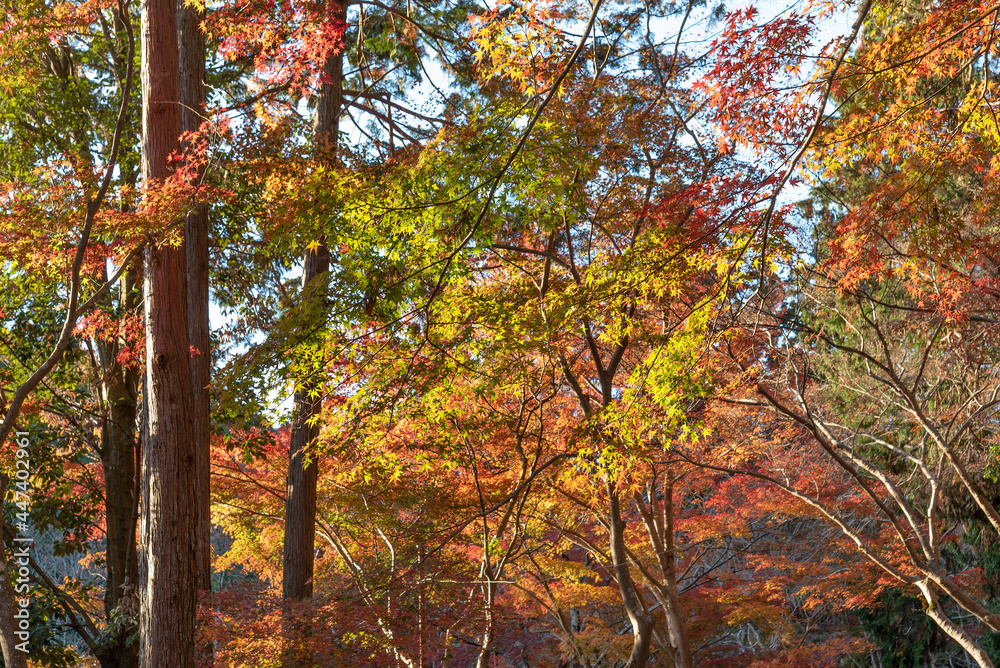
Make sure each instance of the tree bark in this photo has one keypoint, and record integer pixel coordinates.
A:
(676, 628)
(486, 644)
(169, 504)
(300, 493)
(300, 503)
(300, 499)
(952, 630)
(118, 448)
(642, 621)
(192, 70)
(662, 535)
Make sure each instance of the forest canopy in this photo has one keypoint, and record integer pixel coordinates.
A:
(460, 334)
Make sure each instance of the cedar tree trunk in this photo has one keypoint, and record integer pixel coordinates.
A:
(169, 501)
(300, 499)
(192, 70)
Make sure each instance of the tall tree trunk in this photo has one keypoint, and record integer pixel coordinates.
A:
(169, 501)
(300, 499)
(676, 628)
(642, 621)
(192, 69)
(659, 521)
(118, 448)
(119, 438)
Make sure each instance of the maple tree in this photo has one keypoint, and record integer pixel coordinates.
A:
(885, 348)
(553, 334)
(71, 193)
(459, 323)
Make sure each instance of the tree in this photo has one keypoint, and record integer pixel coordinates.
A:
(191, 54)
(22, 217)
(881, 346)
(580, 273)
(317, 63)
(556, 342)
(300, 496)
(170, 484)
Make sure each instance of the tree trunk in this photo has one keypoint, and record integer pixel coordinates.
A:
(12, 656)
(119, 440)
(642, 621)
(676, 628)
(169, 501)
(191, 47)
(300, 506)
(300, 499)
(486, 644)
(118, 448)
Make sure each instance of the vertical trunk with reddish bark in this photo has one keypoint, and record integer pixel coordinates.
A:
(192, 71)
(169, 504)
(300, 494)
(300, 500)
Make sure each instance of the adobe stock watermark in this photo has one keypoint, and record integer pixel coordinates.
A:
(22, 541)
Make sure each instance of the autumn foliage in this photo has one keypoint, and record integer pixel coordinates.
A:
(644, 333)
